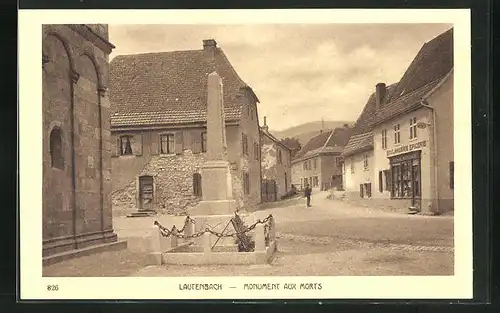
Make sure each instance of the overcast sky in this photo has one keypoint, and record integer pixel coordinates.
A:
(300, 72)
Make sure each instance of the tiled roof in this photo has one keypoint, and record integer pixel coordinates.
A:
(170, 87)
(327, 142)
(433, 61)
(403, 104)
(358, 143)
(315, 143)
(339, 138)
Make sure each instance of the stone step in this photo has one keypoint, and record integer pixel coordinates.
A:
(142, 214)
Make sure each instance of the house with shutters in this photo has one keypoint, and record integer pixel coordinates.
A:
(401, 154)
(158, 127)
(318, 163)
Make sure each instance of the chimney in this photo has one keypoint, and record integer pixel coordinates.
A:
(380, 94)
(210, 46)
(265, 127)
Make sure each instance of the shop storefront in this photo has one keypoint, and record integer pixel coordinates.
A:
(405, 176)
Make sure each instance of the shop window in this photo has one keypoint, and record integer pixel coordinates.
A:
(204, 142)
(452, 175)
(197, 185)
(384, 139)
(413, 128)
(125, 145)
(167, 144)
(406, 177)
(56, 148)
(397, 134)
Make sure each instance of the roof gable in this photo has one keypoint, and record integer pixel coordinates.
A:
(171, 87)
(432, 62)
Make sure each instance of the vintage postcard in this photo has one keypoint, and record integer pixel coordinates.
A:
(260, 154)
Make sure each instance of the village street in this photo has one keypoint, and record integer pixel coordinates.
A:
(331, 238)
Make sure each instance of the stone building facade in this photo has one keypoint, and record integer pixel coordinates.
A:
(76, 139)
(276, 162)
(318, 163)
(158, 126)
(410, 138)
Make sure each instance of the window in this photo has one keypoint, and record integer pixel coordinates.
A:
(204, 142)
(315, 181)
(452, 175)
(56, 149)
(352, 166)
(125, 145)
(280, 157)
(413, 128)
(256, 150)
(246, 183)
(167, 144)
(314, 164)
(380, 182)
(197, 185)
(384, 139)
(244, 142)
(361, 193)
(305, 166)
(397, 134)
(338, 161)
(365, 162)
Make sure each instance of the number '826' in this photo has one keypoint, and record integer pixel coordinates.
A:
(52, 287)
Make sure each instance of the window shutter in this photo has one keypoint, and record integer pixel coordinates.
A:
(115, 145)
(155, 142)
(136, 142)
(380, 181)
(179, 142)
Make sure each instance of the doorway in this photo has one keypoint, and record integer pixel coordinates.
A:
(146, 194)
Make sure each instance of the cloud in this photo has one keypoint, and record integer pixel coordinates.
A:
(300, 72)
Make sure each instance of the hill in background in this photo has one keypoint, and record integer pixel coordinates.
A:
(304, 132)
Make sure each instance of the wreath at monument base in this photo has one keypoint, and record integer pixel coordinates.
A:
(249, 246)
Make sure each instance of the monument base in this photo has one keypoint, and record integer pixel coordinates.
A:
(214, 207)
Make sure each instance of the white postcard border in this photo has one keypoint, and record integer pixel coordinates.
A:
(34, 286)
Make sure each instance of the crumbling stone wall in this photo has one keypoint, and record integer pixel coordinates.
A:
(173, 178)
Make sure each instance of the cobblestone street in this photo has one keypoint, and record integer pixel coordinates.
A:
(331, 238)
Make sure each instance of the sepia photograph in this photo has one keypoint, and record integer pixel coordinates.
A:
(247, 150)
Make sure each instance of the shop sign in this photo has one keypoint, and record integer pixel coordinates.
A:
(407, 148)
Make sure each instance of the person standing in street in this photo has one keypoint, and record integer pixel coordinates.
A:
(307, 194)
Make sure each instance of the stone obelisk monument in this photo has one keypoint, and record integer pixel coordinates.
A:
(217, 195)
